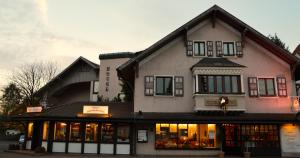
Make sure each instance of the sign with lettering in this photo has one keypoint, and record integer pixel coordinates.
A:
(93, 109)
(34, 109)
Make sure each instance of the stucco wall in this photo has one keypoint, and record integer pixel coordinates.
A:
(114, 87)
(172, 60)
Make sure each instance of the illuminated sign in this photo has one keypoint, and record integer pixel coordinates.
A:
(295, 103)
(91, 109)
(34, 109)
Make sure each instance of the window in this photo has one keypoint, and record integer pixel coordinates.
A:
(281, 85)
(96, 87)
(123, 134)
(260, 136)
(252, 83)
(91, 132)
(266, 87)
(75, 132)
(60, 131)
(107, 133)
(228, 48)
(30, 130)
(164, 86)
(217, 84)
(185, 136)
(199, 48)
(45, 130)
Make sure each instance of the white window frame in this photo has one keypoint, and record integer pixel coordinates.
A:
(275, 86)
(173, 86)
(234, 49)
(205, 49)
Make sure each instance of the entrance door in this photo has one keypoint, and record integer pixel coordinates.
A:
(232, 142)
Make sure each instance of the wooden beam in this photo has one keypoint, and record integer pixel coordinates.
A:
(213, 19)
(243, 36)
(185, 38)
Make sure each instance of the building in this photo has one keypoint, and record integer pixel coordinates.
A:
(213, 84)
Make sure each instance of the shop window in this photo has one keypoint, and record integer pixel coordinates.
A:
(107, 133)
(260, 136)
(208, 135)
(75, 131)
(185, 136)
(60, 130)
(45, 130)
(91, 132)
(30, 130)
(123, 134)
(166, 136)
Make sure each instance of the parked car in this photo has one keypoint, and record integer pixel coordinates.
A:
(22, 139)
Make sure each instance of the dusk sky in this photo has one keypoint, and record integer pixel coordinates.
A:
(63, 30)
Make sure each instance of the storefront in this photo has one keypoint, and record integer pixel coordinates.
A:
(161, 133)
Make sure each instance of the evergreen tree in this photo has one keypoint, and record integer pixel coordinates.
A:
(276, 40)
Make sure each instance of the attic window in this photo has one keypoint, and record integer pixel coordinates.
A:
(228, 48)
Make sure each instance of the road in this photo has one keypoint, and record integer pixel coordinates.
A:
(4, 144)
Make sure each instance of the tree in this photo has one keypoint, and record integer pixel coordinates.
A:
(127, 90)
(11, 99)
(276, 40)
(31, 77)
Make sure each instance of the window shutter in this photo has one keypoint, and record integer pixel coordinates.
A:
(179, 86)
(149, 85)
(253, 89)
(209, 48)
(219, 48)
(281, 86)
(189, 48)
(239, 48)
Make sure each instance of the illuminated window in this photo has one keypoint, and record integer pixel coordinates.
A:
(75, 135)
(208, 135)
(123, 134)
(60, 130)
(45, 130)
(107, 133)
(91, 132)
(30, 130)
(185, 136)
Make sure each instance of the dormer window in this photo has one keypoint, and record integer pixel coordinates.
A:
(199, 48)
(228, 48)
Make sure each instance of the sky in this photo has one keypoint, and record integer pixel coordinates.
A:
(62, 30)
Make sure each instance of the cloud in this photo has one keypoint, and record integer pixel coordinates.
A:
(25, 37)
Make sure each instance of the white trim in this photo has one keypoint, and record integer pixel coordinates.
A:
(242, 83)
(173, 86)
(197, 84)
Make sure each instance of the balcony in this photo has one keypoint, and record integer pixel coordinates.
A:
(206, 103)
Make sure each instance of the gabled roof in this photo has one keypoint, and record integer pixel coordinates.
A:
(80, 59)
(297, 50)
(226, 17)
(216, 62)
